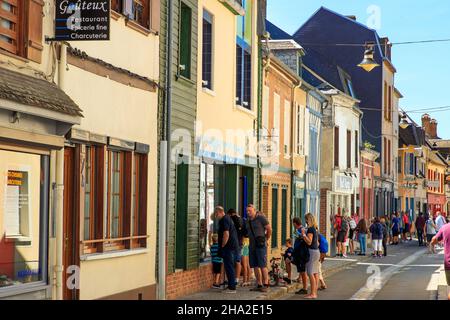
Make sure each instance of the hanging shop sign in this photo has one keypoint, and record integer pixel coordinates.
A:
(82, 20)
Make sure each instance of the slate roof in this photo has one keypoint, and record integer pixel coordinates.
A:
(36, 92)
(411, 136)
(287, 44)
(276, 33)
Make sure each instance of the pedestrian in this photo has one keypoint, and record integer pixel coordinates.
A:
(420, 225)
(259, 232)
(288, 257)
(406, 227)
(385, 235)
(440, 221)
(376, 230)
(388, 225)
(300, 256)
(351, 236)
(323, 248)
(310, 236)
(240, 229)
(431, 232)
(245, 263)
(444, 236)
(395, 228)
(340, 236)
(228, 246)
(362, 231)
(217, 261)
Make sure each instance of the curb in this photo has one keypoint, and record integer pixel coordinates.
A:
(279, 292)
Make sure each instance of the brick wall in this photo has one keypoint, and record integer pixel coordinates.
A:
(180, 284)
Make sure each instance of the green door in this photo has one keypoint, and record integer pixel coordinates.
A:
(284, 216)
(181, 216)
(274, 217)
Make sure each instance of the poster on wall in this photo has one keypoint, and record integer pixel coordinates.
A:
(16, 204)
(80, 20)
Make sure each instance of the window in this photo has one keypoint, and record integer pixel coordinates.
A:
(299, 133)
(265, 111)
(143, 12)
(287, 127)
(139, 203)
(399, 165)
(244, 57)
(336, 147)
(385, 155)
(207, 53)
(21, 28)
(350, 89)
(24, 194)
(185, 54)
(90, 167)
(276, 119)
(389, 157)
(349, 149)
(356, 149)
(313, 149)
(389, 115)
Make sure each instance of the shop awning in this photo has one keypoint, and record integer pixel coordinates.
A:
(33, 92)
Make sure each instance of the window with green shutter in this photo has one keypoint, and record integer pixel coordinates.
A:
(284, 217)
(185, 41)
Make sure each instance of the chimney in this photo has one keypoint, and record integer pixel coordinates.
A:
(426, 123)
(387, 47)
(433, 129)
(352, 17)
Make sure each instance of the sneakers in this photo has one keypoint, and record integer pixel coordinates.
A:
(258, 288)
(230, 290)
(302, 291)
(217, 286)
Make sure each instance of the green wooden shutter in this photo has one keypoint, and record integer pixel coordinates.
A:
(274, 217)
(231, 187)
(284, 217)
(181, 216)
(185, 40)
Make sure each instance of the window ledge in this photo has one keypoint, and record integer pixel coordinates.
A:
(245, 110)
(12, 55)
(137, 27)
(184, 79)
(115, 254)
(209, 92)
(24, 288)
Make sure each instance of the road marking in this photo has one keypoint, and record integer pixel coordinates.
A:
(378, 280)
(390, 265)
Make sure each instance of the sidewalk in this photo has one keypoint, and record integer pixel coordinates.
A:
(330, 266)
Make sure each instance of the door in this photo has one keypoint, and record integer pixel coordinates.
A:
(182, 192)
(70, 224)
(284, 216)
(274, 217)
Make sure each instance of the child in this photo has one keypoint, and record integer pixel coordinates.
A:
(216, 261)
(323, 248)
(246, 262)
(288, 260)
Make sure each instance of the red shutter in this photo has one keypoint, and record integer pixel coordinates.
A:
(155, 11)
(34, 40)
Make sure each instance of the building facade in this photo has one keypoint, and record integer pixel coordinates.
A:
(367, 186)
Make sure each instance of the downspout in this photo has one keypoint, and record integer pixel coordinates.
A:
(165, 163)
(59, 188)
(294, 87)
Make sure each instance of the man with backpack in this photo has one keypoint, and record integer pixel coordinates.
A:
(300, 255)
(323, 248)
(342, 237)
(240, 229)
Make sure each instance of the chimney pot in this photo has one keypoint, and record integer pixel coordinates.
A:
(352, 17)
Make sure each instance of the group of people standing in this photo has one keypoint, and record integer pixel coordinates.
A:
(238, 246)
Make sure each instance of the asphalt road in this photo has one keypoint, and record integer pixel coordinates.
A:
(407, 273)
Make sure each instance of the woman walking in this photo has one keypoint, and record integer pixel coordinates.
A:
(362, 231)
(395, 229)
(431, 230)
(312, 267)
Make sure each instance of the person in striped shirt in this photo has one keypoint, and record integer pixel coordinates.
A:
(217, 261)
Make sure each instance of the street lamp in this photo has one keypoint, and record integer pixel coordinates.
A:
(404, 124)
(368, 62)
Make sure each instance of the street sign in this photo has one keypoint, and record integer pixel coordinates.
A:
(82, 20)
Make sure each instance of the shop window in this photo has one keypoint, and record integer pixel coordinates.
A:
(207, 53)
(207, 194)
(23, 218)
(185, 50)
(21, 28)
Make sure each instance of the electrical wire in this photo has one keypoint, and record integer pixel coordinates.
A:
(365, 44)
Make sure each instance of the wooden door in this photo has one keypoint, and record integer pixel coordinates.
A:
(70, 222)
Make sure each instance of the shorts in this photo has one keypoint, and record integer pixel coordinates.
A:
(430, 237)
(238, 256)
(258, 257)
(217, 267)
(351, 234)
(377, 244)
(341, 236)
(313, 265)
(245, 251)
(301, 268)
(447, 275)
(406, 229)
(395, 233)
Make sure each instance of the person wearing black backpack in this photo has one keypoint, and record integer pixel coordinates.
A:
(240, 229)
(300, 256)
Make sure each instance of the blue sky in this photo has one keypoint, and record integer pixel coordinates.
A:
(423, 70)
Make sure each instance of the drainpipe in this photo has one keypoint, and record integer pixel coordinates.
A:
(165, 153)
(293, 116)
(59, 188)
